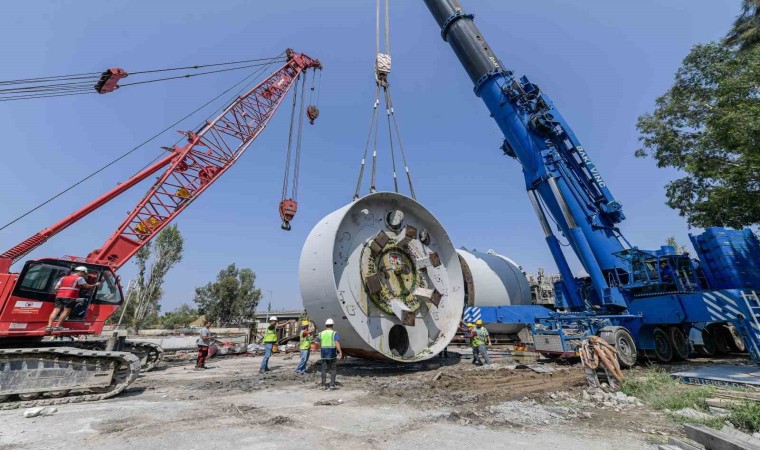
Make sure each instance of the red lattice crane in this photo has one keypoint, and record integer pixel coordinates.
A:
(26, 298)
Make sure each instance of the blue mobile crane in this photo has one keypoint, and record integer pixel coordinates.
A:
(641, 301)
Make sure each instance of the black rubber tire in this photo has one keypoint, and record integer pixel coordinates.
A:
(734, 341)
(680, 343)
(663, 348)
(709, 347)
(626, 347)
(721, 343)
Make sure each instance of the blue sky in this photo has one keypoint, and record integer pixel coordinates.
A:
(603, 63)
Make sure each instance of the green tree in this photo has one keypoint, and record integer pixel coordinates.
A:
(142, 299)
(232, 298)
(179, 318)
(680, 249)
(708, 126)
(745, 33)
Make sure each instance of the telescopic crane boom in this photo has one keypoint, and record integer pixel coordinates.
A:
(649, 300)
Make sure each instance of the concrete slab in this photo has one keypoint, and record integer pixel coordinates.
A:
(721, 375)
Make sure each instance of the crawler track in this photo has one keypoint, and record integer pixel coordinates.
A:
(149, 354)
(57, 375)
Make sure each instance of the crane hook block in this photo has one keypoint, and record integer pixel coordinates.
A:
(109, 80)
(312, 112)
(288, 210)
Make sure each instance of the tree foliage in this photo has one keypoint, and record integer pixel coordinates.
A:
(745, 33)
(232, 298)
(179, 318)
(680, 249)
(142, 303)
(708, 126)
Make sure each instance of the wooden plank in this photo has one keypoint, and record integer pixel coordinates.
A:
(741, 436)
(681, 445)
(716, 440)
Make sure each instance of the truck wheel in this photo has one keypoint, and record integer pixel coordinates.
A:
(622, 340)
(680, 343)
(708, 347)
(663, 349)
(721, 343)
(734, 341)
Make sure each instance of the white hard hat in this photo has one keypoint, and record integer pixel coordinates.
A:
(273, 318)
(329, 322)
(81, 269)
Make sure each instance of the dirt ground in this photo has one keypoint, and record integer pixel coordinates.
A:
(438, 404)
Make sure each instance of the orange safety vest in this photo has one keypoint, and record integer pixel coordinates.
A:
(68, 287)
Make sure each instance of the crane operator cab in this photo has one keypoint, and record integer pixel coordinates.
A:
(33, 298)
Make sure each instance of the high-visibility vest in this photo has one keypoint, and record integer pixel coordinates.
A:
(475, 340)
(305, 342)
(270, 335)
(327, 339)
(68, 287)
(482, 332)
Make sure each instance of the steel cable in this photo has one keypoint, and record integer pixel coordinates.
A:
(124, 155)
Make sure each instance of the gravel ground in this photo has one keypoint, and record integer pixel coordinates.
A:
(377, 406)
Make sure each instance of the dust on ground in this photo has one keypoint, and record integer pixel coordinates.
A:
(439, 403)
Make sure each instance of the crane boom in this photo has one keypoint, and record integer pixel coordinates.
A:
(193, 167)
(560, 178)
(651, 300)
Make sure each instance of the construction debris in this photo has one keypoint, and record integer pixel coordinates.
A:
(692, 414)
(40, 411)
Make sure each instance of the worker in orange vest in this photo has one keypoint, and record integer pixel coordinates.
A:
(66, 296)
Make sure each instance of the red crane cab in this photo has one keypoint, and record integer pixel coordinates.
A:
(28, 298)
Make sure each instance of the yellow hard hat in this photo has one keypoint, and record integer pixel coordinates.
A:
(479, 322)
(305, 323)
(470, 325)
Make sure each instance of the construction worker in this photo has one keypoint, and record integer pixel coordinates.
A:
(66, 296)
(270, 338)
(485, 338)
(305, 346)
(203, 343)
(330, 341)
(472, 335)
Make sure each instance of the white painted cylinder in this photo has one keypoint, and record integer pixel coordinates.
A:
(377, 267)
(494, 280)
